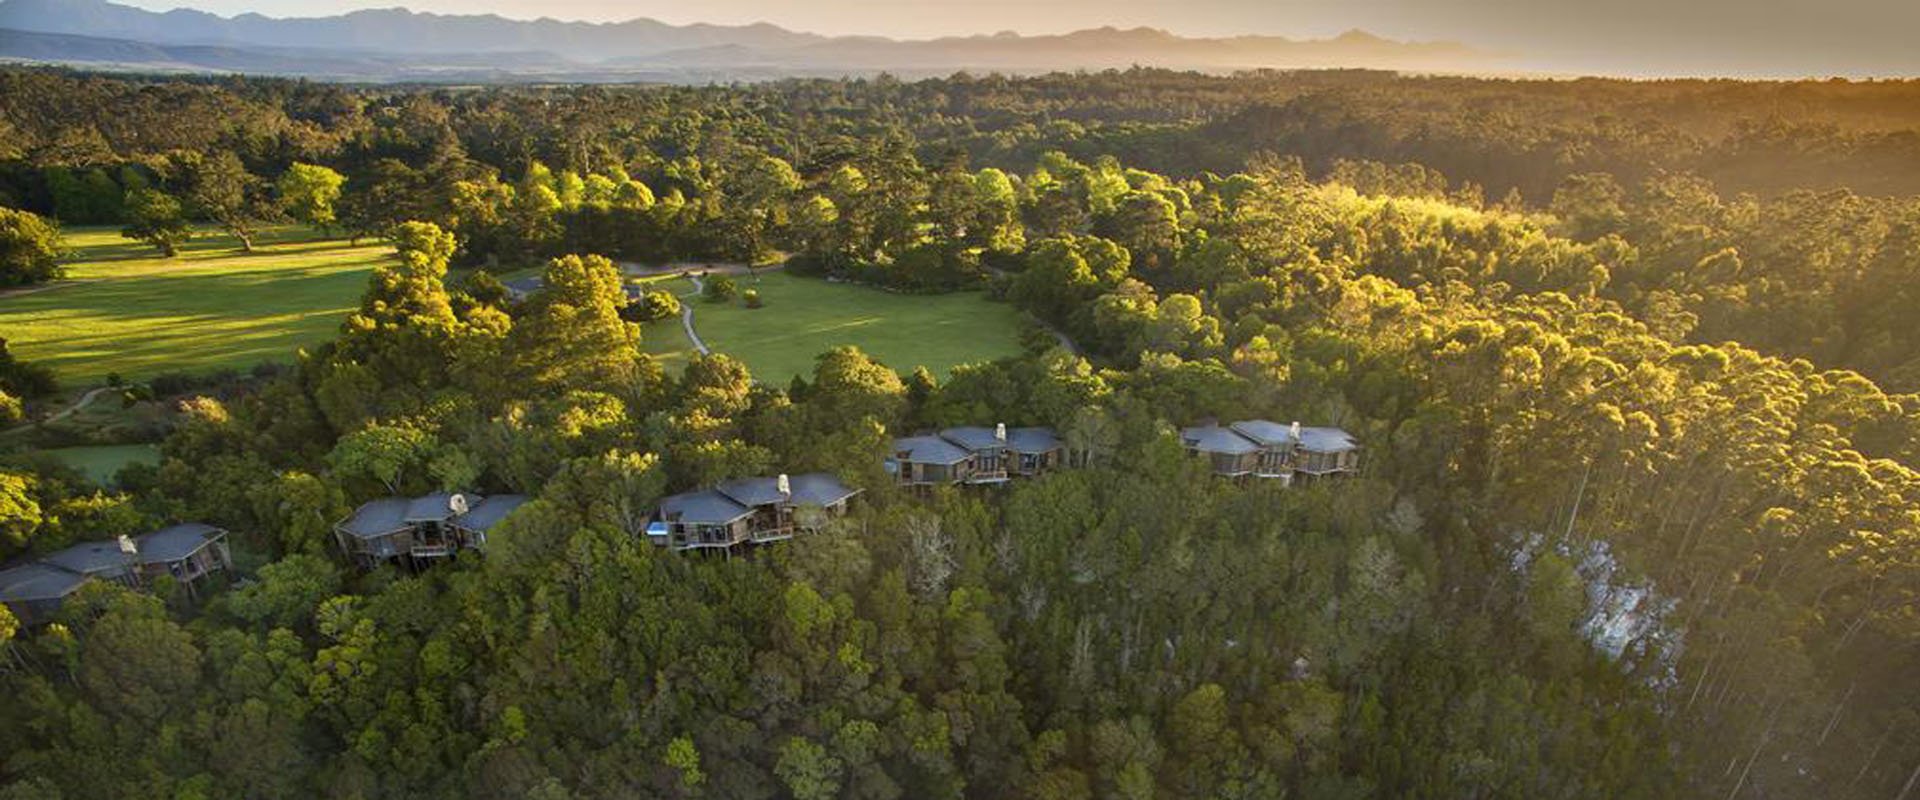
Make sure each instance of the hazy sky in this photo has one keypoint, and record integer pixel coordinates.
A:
(1773, 37)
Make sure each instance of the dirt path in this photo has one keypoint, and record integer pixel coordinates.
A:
(83, 402)
(686, 315)
(718, 268)
(1058, 336)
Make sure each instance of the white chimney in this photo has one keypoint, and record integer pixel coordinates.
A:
(1295, 431)
(1000, 433)
(785, 487)
(127, 547)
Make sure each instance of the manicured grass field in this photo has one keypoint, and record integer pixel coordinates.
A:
(806, 316)
(101, 462)
(131, 312)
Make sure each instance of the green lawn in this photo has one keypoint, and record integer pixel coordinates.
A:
(805, 316)
(101, 462)
(131, 312)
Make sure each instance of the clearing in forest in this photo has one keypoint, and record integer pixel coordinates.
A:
(803, 317)
(125, 310)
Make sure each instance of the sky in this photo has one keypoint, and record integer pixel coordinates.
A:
(1733, 37)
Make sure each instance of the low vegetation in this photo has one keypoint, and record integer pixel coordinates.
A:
(129, 313)
(803, 317)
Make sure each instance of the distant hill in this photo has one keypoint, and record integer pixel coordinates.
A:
(399, 44)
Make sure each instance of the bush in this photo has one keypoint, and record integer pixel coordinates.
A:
(720, 288)
(751, 297)
(656, 304)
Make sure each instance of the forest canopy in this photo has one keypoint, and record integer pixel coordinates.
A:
(1633, 366)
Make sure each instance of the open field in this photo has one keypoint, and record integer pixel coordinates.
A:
(805, 316)
(128, 311)
(102, 461)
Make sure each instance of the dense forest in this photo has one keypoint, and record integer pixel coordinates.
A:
(1635, 366)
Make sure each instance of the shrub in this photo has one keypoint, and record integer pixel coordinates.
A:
(720, 288)
(751, 297)
(656, 304)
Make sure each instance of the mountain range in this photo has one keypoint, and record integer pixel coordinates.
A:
(397, 44)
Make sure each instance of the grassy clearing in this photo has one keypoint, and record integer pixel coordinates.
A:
(128, 311)
(806, 316)
(101, 462)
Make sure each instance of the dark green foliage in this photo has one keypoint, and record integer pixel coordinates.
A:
(1653, 372)
(155, 217)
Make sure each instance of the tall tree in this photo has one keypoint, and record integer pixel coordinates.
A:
(29, 248)
(309, 192)
(155, 217)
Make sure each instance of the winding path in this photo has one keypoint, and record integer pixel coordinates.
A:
(84, 401)
(1058, 335)
(686, 315)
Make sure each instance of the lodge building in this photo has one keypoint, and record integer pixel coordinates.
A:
(1262, 449)
(749, 511)
(974, 455)
(189, 554)
(417, 531)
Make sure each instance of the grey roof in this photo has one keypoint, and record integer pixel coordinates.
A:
(1033, 440)
(972, 437)
(1327, 440)
(704, 507)
(752, 491)
(820, 489)
(482, 516)
(436, 507)
(1264, 432)
(91, 558)
(929, 450)
(378, 518)
(37, 582)
(1215, 439)
(175, 542)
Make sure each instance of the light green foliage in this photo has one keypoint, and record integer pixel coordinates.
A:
(573, 335)
(309, 192)
(386, 454)
(30, 248)
(20, 513)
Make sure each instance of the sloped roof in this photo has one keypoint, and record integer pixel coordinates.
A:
(91, 558)
(1327, 440)
(37, 582)
(929, 450)
(820, 489)
(525, 286)
(752, 491)
(1215, 439)
(175, 542)
(482, 516)
(1033, 440)
(1265, 432)
(377, 517)
(972, 437)
(703, 507)
(436, 507)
